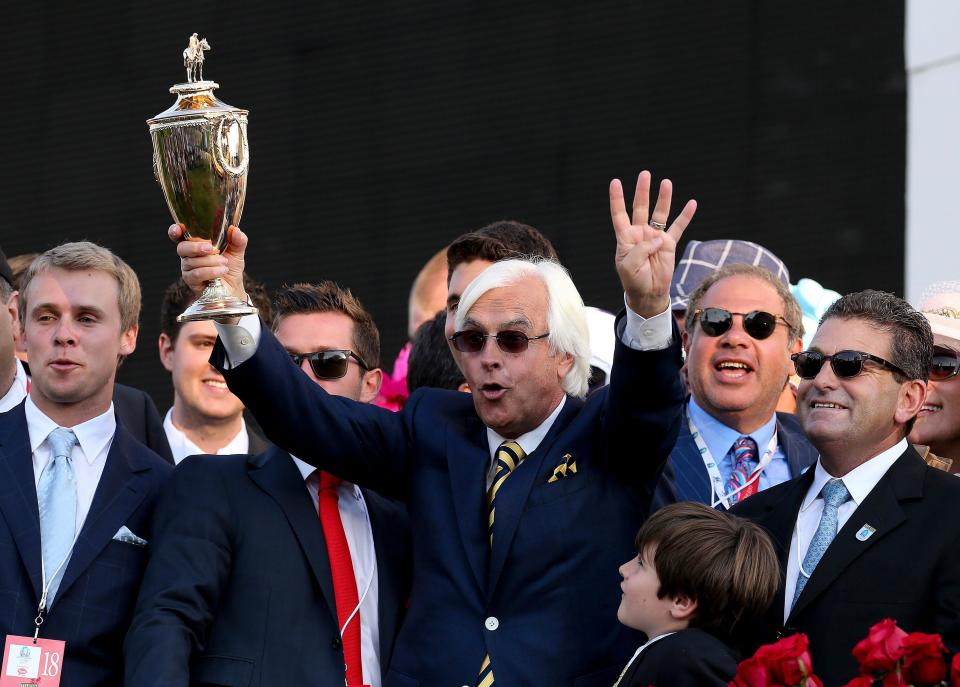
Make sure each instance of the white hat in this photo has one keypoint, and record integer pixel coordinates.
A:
(940, 304)
(602, 339)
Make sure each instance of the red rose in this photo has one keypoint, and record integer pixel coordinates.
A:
(923, 659)
(751, 673)
(882, 648)
(860, 681)
(812, 681)
(955, 671)
(894, 679)
(789, 659)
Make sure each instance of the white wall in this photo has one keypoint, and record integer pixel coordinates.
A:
(933, 143)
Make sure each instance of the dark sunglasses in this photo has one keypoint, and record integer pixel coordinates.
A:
(328, 364)
(509, 341)
(944, 364)
(845, 364)
(757, 323)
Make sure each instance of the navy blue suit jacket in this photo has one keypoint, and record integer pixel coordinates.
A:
(908, 569)
(685, 477)
(238, 589)
(94, 604)
(689, 658)
(543, 602)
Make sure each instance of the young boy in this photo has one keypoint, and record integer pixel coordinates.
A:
(699, 576)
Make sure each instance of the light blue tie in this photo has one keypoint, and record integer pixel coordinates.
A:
(834, 494)
(57, 499)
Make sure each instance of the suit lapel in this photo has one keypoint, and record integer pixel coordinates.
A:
(123, 486)
(468, 460)
(275, 473)
(18, 492)
(779, 521)
(689, 473)
(386, 543)
(512, 495)
(881, 510)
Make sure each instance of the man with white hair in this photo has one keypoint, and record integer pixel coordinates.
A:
(524, 499)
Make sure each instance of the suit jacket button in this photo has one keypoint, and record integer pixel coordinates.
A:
(336, 643)
(491, 623)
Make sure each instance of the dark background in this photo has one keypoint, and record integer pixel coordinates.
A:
(381, 131)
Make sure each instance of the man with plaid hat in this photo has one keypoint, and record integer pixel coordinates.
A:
(14, 382)
(740, 324)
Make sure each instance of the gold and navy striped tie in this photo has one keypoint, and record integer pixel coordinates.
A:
(509, 456)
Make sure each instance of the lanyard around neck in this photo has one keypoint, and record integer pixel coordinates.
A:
(719, 493)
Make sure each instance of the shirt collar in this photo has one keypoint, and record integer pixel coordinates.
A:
(239, 444)
(861, 480)
(92, 435)
(307, 471)
(17, 391)
(719, 437)
(531, 440)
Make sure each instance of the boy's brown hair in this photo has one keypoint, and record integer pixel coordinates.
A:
(726, 563)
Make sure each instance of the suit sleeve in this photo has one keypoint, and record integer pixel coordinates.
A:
(644, 407)
(355, 441)
(188, 567)
(948, 598)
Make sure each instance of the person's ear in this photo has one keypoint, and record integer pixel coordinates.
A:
(165, 346)
(911, 398)
(683, 607)
(464, 387)
(370, 385)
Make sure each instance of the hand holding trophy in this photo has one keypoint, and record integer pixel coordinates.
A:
(201, 159)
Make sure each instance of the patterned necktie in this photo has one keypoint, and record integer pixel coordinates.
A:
(345, 593)
(744, 463)
(834, 494)
(57, 501)
(508, 457)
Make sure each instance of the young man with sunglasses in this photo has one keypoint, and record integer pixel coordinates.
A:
(870, 532)
(523, 497)
(263, 570)
(937, 430)
(740, 328)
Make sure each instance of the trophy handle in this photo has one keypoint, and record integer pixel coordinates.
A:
(220, 141)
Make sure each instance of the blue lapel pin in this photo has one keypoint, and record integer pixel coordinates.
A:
(864, 533)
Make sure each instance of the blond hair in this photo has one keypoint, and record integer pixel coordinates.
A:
(84, 255)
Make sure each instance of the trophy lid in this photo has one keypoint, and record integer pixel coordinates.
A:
(195, 97)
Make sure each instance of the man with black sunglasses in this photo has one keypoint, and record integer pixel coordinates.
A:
(255, 554)
(524, 498)
(870, 532)
(741, 325)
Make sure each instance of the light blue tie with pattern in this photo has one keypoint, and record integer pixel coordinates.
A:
(834, 494)
(57, 500)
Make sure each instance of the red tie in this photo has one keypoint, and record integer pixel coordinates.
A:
(344, 581)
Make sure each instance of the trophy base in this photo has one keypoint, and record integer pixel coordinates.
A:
(216, 303)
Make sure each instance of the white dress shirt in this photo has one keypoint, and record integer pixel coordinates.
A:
(859, 482)
(88, 457)
(17, 391)
(356, 527)
(181, 446)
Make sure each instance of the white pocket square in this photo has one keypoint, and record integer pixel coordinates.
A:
(126, 536)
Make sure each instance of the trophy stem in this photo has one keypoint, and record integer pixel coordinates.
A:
(216, 302)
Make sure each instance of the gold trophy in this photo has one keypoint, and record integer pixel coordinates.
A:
(201, 159)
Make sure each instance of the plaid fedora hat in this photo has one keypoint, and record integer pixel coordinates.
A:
(702, 258)
(940, 304)
(5, 271)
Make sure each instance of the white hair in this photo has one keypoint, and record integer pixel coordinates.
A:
(566, 315)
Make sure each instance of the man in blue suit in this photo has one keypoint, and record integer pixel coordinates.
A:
(76, 490)
(741, 326)
(523, 499)
(239, 570)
